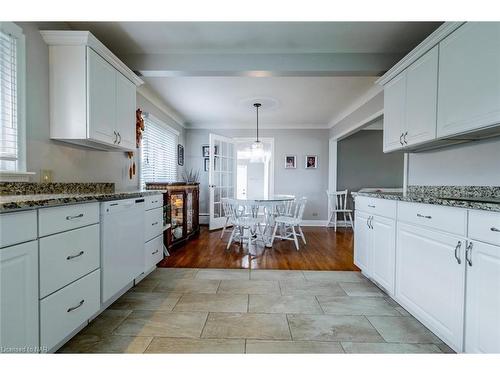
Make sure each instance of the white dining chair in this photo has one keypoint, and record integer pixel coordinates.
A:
(289, 223)
(246, 224)
(226, 208)
(337, 201)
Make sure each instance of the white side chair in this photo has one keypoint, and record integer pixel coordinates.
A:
(337, 201)
(245, 226)
(288, 223)
(226, 208)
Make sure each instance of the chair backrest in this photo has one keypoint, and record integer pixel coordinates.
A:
(229, 207)
(285, 207)
(300, 207)
(337, 200)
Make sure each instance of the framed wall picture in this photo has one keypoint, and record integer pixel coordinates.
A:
(180, 154)
(205, 151)
(311, 161)
(290, 161)
(206, 164)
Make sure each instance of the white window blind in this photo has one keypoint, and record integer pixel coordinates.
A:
(9, 141)
(159, 152)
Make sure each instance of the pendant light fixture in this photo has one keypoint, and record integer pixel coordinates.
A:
(257, 152)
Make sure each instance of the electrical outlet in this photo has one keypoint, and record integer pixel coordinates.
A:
(46, 175)
(315, 214)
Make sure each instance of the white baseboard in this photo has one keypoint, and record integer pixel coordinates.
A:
(203, 219)
(313, 223)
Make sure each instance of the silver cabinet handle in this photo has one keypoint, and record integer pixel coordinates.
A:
(155, 252)
(69, 257)
(468, 253)
(155, 223)
(77, 306)
(457, 252)
(370, 222)
(74, 217)
(424, 216)
(401, 139)
(371, 206)
(404, 138)
(493, 229)
(116, 136)
(367, 221)
(120, 140)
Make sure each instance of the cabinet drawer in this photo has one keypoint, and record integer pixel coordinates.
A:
(59, 219)
(377, 206)
(17, 227)
(64, 311)
(153, 223)
(447, 219)
(484, 226)
(153, 252)
(153, 201)
(68, 256)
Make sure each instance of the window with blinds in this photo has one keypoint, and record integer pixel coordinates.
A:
(9, 141)
(158, 153)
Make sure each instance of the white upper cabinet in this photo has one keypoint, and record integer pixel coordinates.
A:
(92, 93)
(394, 113)
(469, 79)
(421, 96)
(101, 98)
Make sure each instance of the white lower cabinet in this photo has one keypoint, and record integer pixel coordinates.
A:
(430, 280)
(19, 298)
(153, 252)
(67, 309)
(483, 299)
(374, 248)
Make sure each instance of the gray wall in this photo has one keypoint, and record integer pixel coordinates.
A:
(362, 163)
(474, 163)
(69, 163)
(300, 182)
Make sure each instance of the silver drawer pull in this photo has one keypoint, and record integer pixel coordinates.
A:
(74, 217)
(424, 216)
(468, 253)
(77, 306)
(155, 252)
(155, 223)
(69, 257)
(493, 229)
(371, 206)
(457, 254)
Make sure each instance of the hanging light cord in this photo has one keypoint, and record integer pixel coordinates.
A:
(257, 105)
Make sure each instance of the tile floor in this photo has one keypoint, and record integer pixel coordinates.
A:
(179, 310)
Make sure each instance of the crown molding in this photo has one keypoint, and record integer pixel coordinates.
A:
(152, 97)
(261, 127)
(86, 38)
(437, 36)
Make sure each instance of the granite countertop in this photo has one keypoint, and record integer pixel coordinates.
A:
(429, 198)
(19, 202)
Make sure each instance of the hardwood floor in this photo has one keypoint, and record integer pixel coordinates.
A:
(325, 250)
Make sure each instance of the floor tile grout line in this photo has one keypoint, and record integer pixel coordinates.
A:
(319, 303)
(289, 328)
(204, 325)
(147, 347)
(375, 328)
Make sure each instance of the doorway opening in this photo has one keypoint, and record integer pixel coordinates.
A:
(254, 176)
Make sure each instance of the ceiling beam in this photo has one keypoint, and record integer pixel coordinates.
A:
(261, 65)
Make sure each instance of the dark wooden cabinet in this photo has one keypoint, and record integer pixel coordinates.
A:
(181, 205)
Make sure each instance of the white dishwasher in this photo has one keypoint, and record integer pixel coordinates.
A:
(122, 245)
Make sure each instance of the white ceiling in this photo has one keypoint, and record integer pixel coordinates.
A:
(257, 37)
(302, 102)
(215, 101)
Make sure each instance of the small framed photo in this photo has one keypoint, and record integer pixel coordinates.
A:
(311, 161)
(205, 151)
(290, 161)
(206, 164)
(180, 154)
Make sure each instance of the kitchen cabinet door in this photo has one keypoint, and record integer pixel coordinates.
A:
(19, 293)
(421, 97)
(469, 79)
(383, 252)
(394, 112)
(362, 243)
(483, 299)
(430, 282)
(101, 99)
(125, 112)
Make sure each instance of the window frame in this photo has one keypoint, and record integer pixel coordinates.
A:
(148, 116)
(17, 32)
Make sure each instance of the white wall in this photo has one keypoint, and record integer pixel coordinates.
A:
(69, 163)
(473, 163)
(311, 183)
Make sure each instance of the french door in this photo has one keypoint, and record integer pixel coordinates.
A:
(221, 177)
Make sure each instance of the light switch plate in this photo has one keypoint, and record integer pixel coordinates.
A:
(46, 175)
